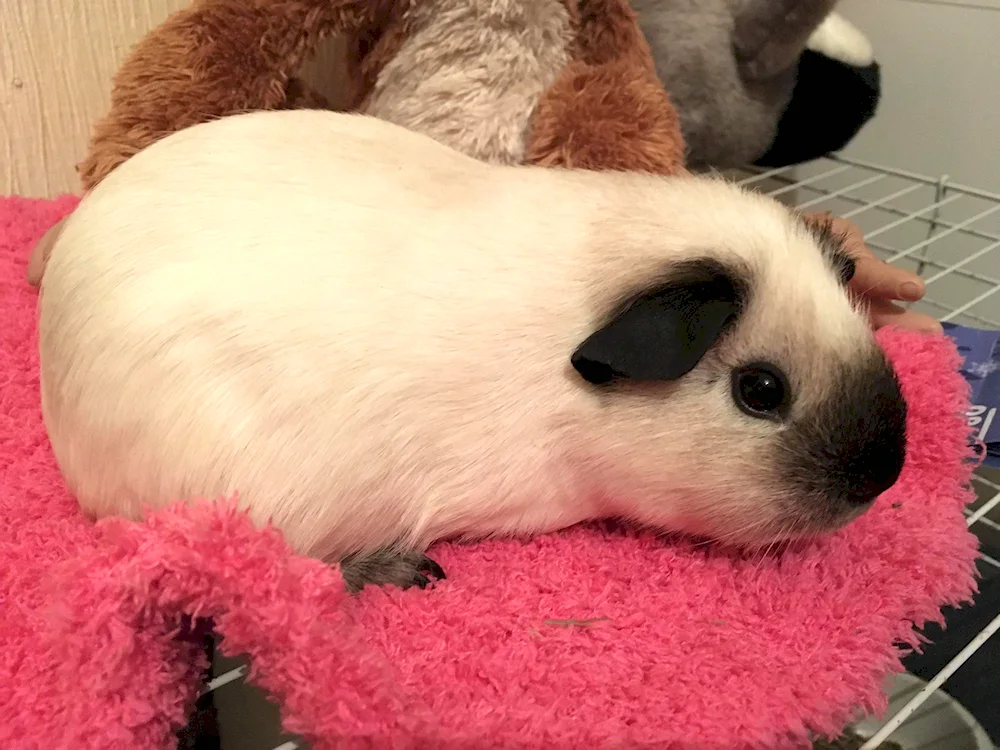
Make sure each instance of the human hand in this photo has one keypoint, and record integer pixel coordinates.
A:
(879, 284)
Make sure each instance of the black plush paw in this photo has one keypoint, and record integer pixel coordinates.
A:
(389, 567)
(831, 102)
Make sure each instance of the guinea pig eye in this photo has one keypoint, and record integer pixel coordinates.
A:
(761, 391)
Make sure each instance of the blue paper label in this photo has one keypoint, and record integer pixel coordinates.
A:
(980, 350)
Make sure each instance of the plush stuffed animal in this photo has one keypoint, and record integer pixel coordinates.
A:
(771, 82)
(837, 90)
(552, 82)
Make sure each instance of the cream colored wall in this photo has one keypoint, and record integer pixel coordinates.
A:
(57, 58)
(940, 108)
(56, 62)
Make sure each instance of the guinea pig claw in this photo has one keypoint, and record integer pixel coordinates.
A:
(432, 568)
(420, 581)
(387, 567)
(424, 572)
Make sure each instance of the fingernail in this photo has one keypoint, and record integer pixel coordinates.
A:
(910, 290)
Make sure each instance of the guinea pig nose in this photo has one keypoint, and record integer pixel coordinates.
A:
(849, 446)
(761, 390)
(866, 489)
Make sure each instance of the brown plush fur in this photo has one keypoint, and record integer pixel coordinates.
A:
(220, 57)
(608, 109)
(216, 58)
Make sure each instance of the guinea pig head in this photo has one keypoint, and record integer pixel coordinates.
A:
(738, 392)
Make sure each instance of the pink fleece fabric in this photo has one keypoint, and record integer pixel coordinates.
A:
(594, 637)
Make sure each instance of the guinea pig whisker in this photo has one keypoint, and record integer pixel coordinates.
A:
(738, 533)
(742, 532)
(780, 538)
(867, 291)
(762, 554)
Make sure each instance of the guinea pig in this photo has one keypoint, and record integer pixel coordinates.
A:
(377, 342)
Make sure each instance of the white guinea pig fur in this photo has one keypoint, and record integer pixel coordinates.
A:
(378, 342)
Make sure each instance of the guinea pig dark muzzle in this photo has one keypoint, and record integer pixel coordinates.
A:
(851, 448)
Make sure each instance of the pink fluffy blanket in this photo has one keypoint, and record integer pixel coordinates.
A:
(594, 637)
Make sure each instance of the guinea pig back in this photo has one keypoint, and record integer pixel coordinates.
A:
(377, 341)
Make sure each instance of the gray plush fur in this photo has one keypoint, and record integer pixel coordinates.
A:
(729, 66)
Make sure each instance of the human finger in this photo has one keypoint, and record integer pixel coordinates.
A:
(885, 313)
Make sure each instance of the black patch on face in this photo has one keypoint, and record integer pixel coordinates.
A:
(660, 332)
(851, 448)
(833, 247)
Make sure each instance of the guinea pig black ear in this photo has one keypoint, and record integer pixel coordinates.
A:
(662, 332)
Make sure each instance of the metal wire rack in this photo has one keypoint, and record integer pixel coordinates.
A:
(950, 235)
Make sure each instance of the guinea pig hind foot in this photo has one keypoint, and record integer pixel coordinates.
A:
(389, 567)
